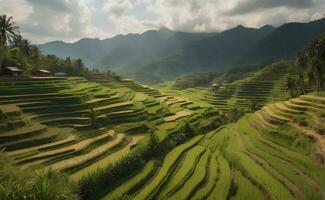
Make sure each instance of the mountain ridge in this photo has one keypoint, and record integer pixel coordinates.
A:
(155, 53)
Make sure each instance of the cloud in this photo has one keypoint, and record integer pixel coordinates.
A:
(121, 14)
(246, 6)
(117, 8)
(58, 5)
(47, 20)
(218, 15)
(20, 9)
(70, 20)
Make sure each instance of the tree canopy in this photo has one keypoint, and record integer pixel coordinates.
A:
(20, 52)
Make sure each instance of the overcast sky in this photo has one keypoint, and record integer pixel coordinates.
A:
(70, 20)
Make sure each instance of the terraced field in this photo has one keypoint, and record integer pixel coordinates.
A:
(264, 86)
(126, 83)
(77, 126)
(275, 153)
(259, 87)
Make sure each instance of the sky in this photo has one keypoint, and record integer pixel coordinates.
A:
(69, 20)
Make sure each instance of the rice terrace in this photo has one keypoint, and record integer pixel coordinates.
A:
(157, 100)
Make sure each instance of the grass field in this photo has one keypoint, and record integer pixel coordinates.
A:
(76, 126)
(82, 126)
(246, 160)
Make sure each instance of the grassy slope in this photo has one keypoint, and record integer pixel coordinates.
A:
(247, 162)
(262, 154)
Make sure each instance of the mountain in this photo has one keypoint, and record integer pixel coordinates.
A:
(286, 41)
(159, 55)
(122, 49)
(227, 47)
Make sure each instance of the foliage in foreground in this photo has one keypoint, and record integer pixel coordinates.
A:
(17, 184)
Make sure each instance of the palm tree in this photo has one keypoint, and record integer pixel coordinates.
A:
(7, 31)
(16, 40)
(25, 50)
(36, 55)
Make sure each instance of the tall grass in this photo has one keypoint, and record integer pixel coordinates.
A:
(17, 184)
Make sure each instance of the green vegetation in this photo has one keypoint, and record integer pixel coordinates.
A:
(194, 80)
(16, 184)
(134, 182)
(246, 190)
(19, 52)
(250, 158)
(174, 54)
(104, 137)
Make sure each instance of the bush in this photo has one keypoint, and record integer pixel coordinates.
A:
(108, 176)
(194, 80)
(16, 184)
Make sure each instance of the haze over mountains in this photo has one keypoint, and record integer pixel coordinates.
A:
(164, 54)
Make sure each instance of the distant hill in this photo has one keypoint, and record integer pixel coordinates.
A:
(164, 54)
(286, 40)
(122, 49)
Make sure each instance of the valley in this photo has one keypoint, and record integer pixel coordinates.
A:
(82, 126)
(163, 115)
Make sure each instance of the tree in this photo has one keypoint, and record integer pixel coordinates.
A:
(316, 56)
(25, 51)
(301, 63)
(16, 40)
(253, 104)
(293, 86)
(79, 64)
(36, 55)
(7, 31)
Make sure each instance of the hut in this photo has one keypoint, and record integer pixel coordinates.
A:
(215, 87)
(11, 71)
(42, 72)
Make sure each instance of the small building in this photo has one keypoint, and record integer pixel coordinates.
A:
(215, 87)
(11, 71)
(42, 72)
(60, 74)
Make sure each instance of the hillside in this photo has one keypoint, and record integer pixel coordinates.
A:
(122, 50)
(75, 126)
(119, 137)
(165, 114)
(260, 87)
(275, 153)
(153, 55)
